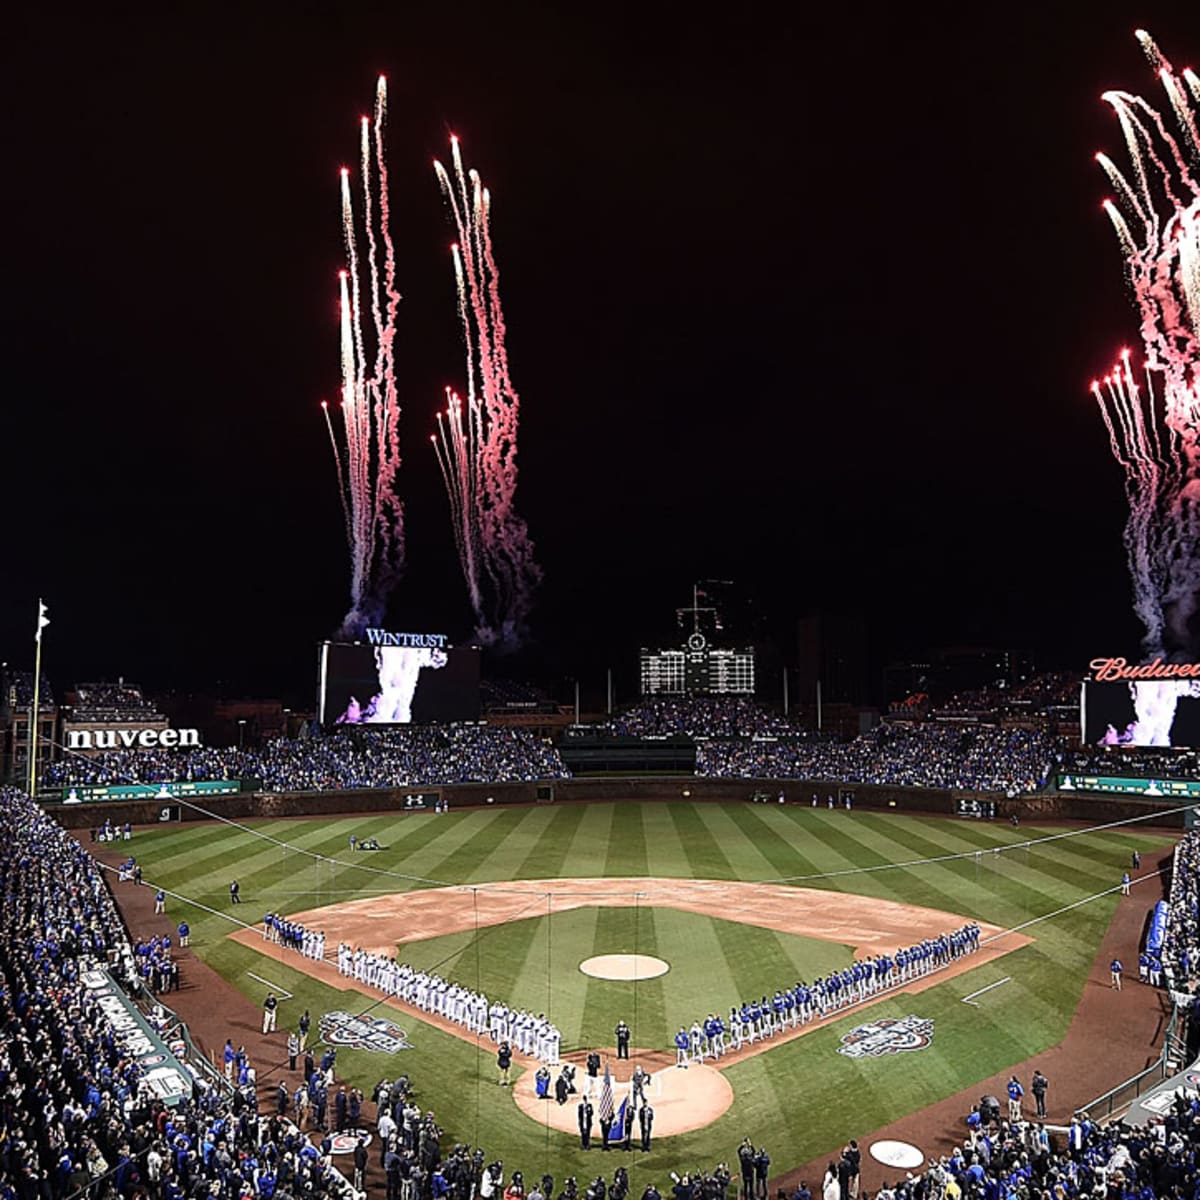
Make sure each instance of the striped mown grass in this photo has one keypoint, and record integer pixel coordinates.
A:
(800, 1099)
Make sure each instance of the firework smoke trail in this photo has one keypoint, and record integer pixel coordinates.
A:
(1156, 438)
(452, 444)
(370, 408)
(341, 473)
(1149, 470)
(1154, 705)
(477, 445)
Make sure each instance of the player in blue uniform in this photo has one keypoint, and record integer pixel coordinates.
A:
(681, 1048)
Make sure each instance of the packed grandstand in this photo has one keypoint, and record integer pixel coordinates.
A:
(975, 759)
(1002, 741)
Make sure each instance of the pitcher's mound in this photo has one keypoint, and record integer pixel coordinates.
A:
(682, 1101)
(624, 966)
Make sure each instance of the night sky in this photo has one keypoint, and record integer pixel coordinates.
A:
(808, 302)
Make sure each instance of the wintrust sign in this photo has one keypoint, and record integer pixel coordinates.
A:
(128, 739)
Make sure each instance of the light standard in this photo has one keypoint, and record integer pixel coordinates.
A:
(241, 731)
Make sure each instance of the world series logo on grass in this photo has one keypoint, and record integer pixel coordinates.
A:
(889, 1035)
(363, 1033)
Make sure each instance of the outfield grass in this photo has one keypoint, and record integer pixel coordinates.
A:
(801, 1099)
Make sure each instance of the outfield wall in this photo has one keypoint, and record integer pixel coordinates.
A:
(1050, 807)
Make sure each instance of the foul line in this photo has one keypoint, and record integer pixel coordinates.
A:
(971, 998)
(284, 994)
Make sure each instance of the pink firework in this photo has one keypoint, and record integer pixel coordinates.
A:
(1155, 436)
(367, 466)
(476, 445)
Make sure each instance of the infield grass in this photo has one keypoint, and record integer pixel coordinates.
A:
(800, 1099)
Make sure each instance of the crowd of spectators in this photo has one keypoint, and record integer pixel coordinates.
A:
(930, 754)
(701, 717)
(19, 690)
(110, 702)
(1180, 955)
(77, 1116)
(1130, 760)
(409, 756)
(505, 695)
(982, 758)
(1016, 1160)
(1045, 695)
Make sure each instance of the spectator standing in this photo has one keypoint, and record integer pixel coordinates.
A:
(360, 1165)
(762, 1165)
(746, 1162)
(1038, 1086)
(1015, 1094)
(853, 1156)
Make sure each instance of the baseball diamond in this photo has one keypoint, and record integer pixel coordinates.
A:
(741, 900)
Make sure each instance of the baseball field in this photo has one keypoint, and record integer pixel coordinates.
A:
(810, 886)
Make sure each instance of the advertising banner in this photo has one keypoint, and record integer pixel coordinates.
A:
(167, 1079)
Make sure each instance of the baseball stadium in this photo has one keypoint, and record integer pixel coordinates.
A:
(833, 889)
(842, 968)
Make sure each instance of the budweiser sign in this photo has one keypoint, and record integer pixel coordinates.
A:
(1114, 670)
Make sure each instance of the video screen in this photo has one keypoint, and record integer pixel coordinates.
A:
(396, 685)
(1149, 712)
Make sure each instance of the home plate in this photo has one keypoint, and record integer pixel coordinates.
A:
(897, 1154)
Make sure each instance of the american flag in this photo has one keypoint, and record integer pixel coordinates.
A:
(606, 1096)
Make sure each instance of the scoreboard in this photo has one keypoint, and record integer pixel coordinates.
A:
(89, 792)
(697, 669)
(1187, 789)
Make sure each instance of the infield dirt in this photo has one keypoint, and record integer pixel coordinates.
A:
(868, 924)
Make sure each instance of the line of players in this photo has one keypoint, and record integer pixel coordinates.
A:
(294, 936)
(532, 1035)
(801, 1003)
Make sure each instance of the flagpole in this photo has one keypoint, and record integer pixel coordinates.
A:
(36, 713)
